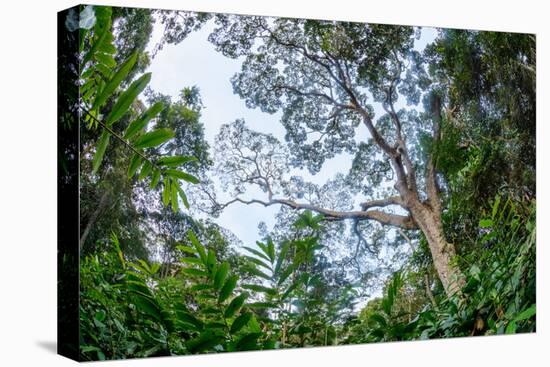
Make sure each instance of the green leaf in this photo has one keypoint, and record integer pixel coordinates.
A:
(257, 253)
(100, 150)
(258, 262)
(174, 198)
(155, 178)
(147, 305)
(289, 290)
(227, 288)
(195, 272)
(104, 71)
(198, 246)
(511, 327)
(176, 160)
(135, 163)
(125, 100)
(145, 170)
(154, 138)
(235, 305)
(182, 175)
(208, 339)
(282, 255)
(95, 45)
(183, 196)
(115, 81)
(200, 287)
(191, 260)
(221, 274)
(379, 319)
(285, 274)
(527, 314)
(189, 250)
(185, 316)
(248, 341)
(104, 58)
(166, 191)
(271, 249)
(138, 124)
(485, 223)
(240, 322)
(254, 271)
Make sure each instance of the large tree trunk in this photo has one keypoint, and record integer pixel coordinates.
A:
(429, 222)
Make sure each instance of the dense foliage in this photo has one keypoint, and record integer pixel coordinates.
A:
(157, 279)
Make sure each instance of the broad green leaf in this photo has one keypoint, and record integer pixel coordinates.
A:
(104, 71)
(240, 322)
(198, 246)
(139, 288)
(235, 305)
(282, 256)
(115, 81)
(485, 223)
(227, 288)
(210, 259)
(166, 191)
(289, 290)
(147, 305)
(195, 272)
(108, 48)
(254, 271)
(95, 45)
(527, 314)
(248, 341)
(176, 160)
(105, 59)
(285, 274)
(135, 163)
(138, 124)
(182, 175)
(381, 320)
(145, 170)
(258, 262)
(511, 327)
(191, 260)
(271, 249)
(125, 100)
(257, 253)
(200, 287)
(183, 196)
(185, 316)
(221, 274)
(207, 340)
(100, 150)
(154, 138)
(155, 178)
(174, 198)
(189, 250)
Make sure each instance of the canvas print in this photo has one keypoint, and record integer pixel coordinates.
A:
(245, 183)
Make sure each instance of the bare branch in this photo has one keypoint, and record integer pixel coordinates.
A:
(393, 200)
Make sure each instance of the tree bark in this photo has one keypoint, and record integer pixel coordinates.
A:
(429, 222)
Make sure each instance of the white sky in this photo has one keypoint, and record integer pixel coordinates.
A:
(195, 62)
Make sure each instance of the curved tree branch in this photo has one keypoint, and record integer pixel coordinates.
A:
(400, 221)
